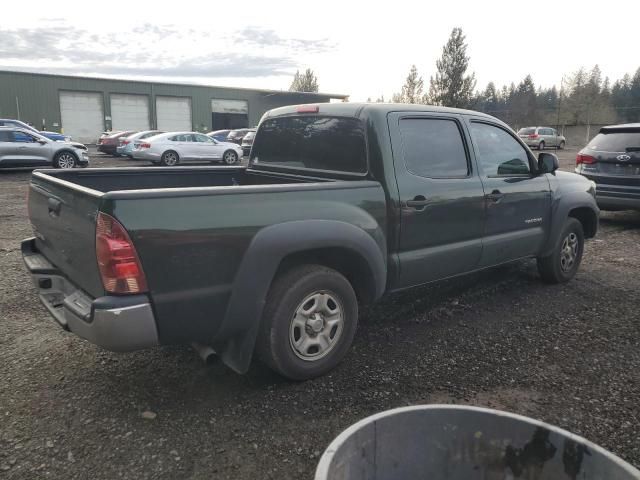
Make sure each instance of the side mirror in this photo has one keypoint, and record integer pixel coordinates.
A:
(548, 162)
(42, 142)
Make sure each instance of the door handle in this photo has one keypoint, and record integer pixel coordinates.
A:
(494, 196)
(418, 202)
(22, 147)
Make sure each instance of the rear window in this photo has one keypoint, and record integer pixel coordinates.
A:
(615, 142)
(319, 143)
(526, 131)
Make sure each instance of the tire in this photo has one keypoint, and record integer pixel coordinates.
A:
(562, 265)
(289, 340)
(561, 146)
(541, 146)
(230, 157)
(65, 159)
(170, 158)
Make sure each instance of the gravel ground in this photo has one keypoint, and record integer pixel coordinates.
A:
(568, 355)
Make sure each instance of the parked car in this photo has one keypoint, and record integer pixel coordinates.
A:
(171, 148)
(340, 204)
(542, 137)
(612, 161)
(236, 136)
(247, 141)
(126, 145)
(58, 137)
(20, 147)
(219, 135)
(109, 143)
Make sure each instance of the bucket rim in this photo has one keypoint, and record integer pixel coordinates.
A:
(322, 470)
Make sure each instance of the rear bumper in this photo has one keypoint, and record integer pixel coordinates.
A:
(120, 324)
(618, 196)
(108, 149)
(145, 154)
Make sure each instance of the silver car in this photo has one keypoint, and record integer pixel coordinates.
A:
(23, 148)
(169, 149)
(542, 137)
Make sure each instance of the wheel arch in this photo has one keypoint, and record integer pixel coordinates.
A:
(276, 249)
(588, 218)
(66, 150)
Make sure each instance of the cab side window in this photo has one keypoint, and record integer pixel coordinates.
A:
(433, 148)
(22, 137)
(498, 153)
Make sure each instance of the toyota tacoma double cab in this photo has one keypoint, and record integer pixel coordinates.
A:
(339, 204)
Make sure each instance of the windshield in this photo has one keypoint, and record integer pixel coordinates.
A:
(319, 143)
(615, 142)
(527, 131)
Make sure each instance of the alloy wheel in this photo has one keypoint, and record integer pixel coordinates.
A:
(569, 252)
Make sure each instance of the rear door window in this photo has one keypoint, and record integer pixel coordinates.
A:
(616, 142)
(311, 142)
(433, 148)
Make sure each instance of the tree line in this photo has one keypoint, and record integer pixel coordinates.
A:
(584, 97)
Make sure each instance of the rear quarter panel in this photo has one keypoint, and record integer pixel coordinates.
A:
(191, 241)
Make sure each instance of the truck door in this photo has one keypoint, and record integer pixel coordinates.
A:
(441, 197)
(518, 200)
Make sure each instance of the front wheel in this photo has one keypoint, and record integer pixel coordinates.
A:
(309, 322)
(561, 146)
(65, 160)
(562, 265)
(230, 157)
(541, 146)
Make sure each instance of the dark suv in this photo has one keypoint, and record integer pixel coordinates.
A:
(612, 160)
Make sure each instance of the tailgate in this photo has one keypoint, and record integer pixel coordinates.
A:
(63, 218)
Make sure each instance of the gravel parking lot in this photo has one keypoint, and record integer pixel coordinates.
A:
(568, 355)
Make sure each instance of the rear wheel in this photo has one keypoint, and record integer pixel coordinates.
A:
(230, 157)
(541, 146)
(562, 265)
(309, 322)
(561, 146)
(170, 158)
(65, 160)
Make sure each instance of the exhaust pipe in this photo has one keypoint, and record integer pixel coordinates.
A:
(207, 354)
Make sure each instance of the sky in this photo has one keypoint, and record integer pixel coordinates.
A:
(362, 49)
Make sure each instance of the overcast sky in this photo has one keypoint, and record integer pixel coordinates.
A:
(363, 49)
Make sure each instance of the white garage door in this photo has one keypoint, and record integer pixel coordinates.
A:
(82, 115)
(129, 112)
(174, 113)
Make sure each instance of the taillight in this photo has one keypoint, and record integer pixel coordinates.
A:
(145, 145)
(118, 261)
(533, 136)
(586, 159)
(126, 142)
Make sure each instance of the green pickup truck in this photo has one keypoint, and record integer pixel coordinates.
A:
(339, 204)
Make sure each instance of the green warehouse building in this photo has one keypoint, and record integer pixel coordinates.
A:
(84, 107)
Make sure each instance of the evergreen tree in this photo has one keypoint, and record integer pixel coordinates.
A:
(452, 87)
(304, 82)
(411, 90)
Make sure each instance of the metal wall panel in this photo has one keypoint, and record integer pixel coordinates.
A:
(129, 112)
(82, 116)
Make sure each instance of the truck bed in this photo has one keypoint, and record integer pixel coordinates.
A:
(117, 179)
(191, 227)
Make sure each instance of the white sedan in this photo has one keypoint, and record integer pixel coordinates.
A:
(169, 149)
